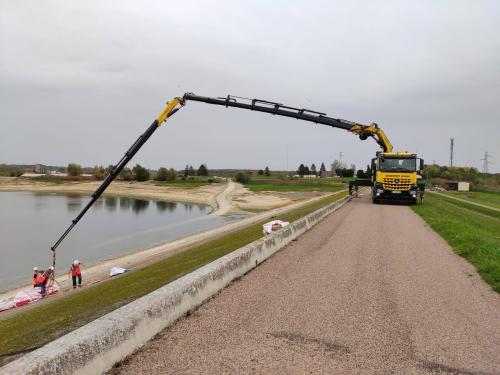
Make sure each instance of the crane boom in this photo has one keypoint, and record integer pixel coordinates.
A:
(169, 110)
(363, 131)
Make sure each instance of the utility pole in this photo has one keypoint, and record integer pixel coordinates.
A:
(486, 161)
(340, 159)
(452, 142)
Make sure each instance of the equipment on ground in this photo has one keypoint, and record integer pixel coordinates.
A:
(395, 173)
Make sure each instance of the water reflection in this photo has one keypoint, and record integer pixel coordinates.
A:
(74, 202)
(139, 205)
(98, 204)
(110, 203)
(166, 206)
(125, 203)
(188, 207)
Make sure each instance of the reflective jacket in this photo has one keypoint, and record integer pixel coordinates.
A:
(75, 270)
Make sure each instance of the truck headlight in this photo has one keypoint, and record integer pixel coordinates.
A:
(380, 191)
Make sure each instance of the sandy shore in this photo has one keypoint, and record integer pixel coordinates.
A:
(225, 198)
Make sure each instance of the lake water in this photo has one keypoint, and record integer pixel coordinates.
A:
(31, 222)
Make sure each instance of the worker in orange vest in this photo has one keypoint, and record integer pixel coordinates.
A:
(34, 282)
(76, 273)
(43, 279)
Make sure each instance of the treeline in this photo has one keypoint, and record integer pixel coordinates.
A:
(340, 169)
(139, 173)
(439, 174)
(304, 170)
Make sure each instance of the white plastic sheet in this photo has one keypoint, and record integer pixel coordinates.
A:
(275, 224)
(117, 271)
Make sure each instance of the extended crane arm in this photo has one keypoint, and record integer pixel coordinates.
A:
(363, 131)
(171, 107)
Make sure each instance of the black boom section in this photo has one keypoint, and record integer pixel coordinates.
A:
(109, 179)
(273, 109)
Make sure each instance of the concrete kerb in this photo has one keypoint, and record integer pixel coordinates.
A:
(97, 346)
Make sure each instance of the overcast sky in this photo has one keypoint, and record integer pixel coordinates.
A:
(80, 80)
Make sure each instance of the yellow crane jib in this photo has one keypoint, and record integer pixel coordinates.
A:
(169, 110)
(374, 131)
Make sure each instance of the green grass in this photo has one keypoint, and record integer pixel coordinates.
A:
(183, 185)
(37, 326)
(189, 183)
(488, 199)
(284, 186)
(469, 206)
(471, 233)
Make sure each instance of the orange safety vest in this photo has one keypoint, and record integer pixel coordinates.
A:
(33, 280)
(40, 279)
(75, 270)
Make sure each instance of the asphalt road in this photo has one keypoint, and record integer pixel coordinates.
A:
(370, 290)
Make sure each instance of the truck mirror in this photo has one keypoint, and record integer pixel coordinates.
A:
(421, 164)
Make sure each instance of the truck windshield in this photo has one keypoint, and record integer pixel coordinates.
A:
(398, 165)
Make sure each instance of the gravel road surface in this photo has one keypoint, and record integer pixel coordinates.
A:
(370, 290)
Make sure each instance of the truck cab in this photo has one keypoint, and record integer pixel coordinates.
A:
(395, 177)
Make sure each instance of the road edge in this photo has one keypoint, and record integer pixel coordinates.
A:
(97, 346)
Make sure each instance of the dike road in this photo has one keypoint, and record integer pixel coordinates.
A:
(370, 290)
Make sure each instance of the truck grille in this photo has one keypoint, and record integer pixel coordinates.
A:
(397, 183)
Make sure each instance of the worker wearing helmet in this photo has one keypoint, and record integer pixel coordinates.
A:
(76, 273)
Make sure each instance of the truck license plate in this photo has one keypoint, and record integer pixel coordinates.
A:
(396, 192)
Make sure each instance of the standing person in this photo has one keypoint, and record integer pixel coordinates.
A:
(76, 273)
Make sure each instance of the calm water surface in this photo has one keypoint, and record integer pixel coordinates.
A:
(31, 222)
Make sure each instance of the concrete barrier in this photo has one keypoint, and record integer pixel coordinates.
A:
(97, 346)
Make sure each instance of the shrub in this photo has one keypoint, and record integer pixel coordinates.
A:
(99, 172)
(242, 178)
(171, 174)
(74, 169)
(161, 175)
(126, 174)
(140, 173)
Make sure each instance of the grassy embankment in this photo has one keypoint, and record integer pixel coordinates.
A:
(324, 185)
(473, 232)
(37, 326)
(488, 199)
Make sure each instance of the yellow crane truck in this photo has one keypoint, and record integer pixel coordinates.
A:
(394, 173)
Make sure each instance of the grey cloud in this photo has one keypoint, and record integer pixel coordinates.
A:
(94, 74)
